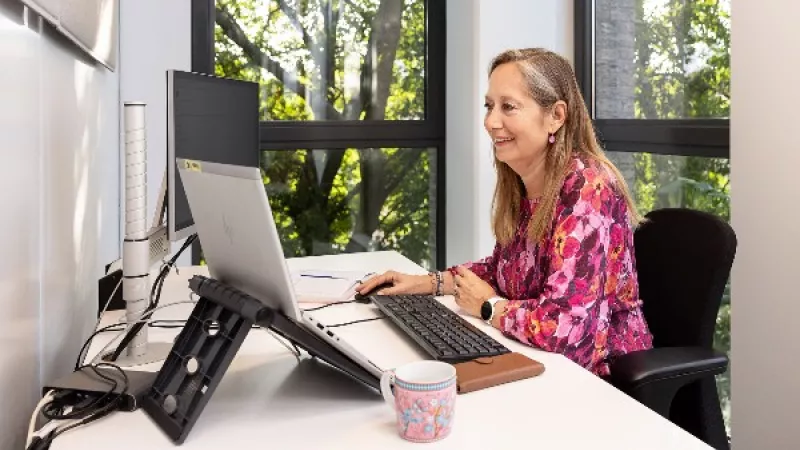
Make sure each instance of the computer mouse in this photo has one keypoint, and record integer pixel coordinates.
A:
(364, 297)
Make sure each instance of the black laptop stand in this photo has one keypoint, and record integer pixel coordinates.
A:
(206, 346)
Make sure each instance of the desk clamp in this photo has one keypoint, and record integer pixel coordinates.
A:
(205, 347)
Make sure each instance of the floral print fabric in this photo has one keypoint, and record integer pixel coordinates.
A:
(575, 292)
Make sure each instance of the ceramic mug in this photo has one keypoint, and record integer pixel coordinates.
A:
(424, 399)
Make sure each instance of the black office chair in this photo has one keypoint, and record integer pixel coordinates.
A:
(683, 258)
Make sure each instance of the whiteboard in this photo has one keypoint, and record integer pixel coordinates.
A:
(91, 24)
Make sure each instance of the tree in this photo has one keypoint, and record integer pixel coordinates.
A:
(338, 60)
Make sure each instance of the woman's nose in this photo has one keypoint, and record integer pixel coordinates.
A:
(492, 122)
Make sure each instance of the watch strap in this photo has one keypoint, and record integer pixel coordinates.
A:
(492, 301)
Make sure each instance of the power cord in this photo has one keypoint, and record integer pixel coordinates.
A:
(67, 411)
(357, 300)
(317, 308)
(355, 322)
(155, 297)
(166, 323)
(144, 319)
(36, 411)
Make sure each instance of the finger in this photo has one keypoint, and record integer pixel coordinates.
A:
(391, 290)
(466, 273)
(458, 278)
(370, 284)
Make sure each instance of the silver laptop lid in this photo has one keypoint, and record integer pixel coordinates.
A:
(237, 231)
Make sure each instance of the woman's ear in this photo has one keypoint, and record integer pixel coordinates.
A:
(558, 115)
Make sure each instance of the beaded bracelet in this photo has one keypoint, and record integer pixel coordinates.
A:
(437, 283)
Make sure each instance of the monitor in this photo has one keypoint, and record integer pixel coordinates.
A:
(209, 118)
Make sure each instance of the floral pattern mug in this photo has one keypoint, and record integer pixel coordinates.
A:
(423, 395)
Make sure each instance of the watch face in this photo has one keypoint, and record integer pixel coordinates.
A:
(486, 310)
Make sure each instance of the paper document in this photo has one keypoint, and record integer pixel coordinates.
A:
(325, 286)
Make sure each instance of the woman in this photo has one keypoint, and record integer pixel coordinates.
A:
(562, 274)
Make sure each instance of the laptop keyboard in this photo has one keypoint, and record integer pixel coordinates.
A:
(442, 333)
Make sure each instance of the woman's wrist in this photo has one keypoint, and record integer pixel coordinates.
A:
(427, 284)
(500, 310)
(447, 283)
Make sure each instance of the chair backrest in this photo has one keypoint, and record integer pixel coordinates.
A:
(683, 259)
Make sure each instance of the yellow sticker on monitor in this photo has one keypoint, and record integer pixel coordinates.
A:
(194, 166)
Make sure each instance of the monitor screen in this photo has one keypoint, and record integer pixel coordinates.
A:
(208, 119)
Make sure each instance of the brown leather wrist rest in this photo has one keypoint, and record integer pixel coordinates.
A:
(491, 371)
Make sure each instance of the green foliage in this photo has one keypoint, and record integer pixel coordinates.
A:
(310, 58)
(682, 59)
(683, 71)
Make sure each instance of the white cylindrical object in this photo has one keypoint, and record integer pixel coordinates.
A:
(136, 247)
(135, 171)
(135, 258)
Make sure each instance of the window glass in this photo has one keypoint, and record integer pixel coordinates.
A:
(662, 59)
(328, 201)
(325, 60)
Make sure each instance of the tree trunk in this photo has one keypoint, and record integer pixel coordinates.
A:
(615, 51)
(376, 79)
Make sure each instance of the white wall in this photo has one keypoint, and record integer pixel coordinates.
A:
(59, 191)
(477, 30)
(765, 200)
(60, 184)
(155, 35)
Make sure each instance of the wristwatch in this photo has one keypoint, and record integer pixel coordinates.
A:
(487, 308)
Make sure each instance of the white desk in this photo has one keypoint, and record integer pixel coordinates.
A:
(268, 400)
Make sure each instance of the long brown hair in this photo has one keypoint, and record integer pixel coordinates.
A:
(548, 78)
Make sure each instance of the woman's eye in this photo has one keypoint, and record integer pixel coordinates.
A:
(508, 106)
(487, 106)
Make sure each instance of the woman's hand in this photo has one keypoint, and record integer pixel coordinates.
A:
(399, 283)
(471, 291)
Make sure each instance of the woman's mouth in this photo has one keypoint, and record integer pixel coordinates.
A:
(499, 142)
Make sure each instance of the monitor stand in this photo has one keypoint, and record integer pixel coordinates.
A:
(208, 343)
(143, 247)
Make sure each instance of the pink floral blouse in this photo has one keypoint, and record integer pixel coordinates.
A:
(576, 292)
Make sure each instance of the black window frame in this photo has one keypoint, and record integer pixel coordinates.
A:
(426, 133)
(678, 137)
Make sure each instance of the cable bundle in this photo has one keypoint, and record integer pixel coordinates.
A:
(155, 297)
(65, 410)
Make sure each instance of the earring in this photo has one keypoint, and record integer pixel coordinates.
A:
(551, 138)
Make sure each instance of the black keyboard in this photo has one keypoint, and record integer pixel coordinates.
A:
(441, 332)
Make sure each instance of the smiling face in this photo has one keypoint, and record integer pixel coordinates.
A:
(519, 127)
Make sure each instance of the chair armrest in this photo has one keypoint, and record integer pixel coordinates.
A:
(684, 364)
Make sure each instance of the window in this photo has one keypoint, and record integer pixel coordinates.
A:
(656, 76)
(352, 116)
(338, 219)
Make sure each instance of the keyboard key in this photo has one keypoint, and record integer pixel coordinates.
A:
(441, 332)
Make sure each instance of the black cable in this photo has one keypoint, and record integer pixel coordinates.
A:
(100, 412)
(317, 308)
(155, 291)
(80, 409)
(85, 348)
(355, 322)
(155, 297)
(165, 323)
(87, 413)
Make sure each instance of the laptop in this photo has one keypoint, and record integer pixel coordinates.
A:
(241, 245)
